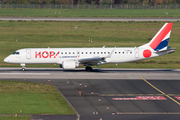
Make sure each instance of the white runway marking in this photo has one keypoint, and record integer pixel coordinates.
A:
(25, 74)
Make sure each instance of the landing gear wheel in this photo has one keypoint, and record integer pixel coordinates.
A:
(89, 69)
(23, 66)
(23, 69)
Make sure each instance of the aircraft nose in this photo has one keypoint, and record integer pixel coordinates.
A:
(6, 59)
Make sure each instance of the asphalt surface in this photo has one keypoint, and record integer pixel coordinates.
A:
(90, 19)
(80, 73)
(96, 100)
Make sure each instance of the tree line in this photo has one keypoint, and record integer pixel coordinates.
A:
(91, 2)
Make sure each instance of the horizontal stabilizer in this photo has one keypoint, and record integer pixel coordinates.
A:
(168, 51)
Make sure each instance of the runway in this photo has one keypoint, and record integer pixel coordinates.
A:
(115, 94)
(89, 19)
(98, 73)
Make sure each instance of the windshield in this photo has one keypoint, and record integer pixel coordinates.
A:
(15, 53)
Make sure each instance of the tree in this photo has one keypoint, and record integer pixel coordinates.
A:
(117, 1)
(107, 2)
(96, 2)
(82, 2)
(33, 2)
(48, 1)
(178, 1)
(75, 2)
(67, 2)
(156, 2)
(133, 1)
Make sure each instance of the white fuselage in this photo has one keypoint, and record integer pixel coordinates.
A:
(58, 55)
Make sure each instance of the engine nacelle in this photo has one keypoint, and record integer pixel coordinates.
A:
(69, 65)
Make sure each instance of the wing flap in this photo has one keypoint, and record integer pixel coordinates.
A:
(91, 61)
(95, 60)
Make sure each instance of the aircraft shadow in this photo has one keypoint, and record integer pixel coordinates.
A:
(94, 70)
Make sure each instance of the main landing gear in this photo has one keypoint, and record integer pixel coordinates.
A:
(89, 69)
(23, 67)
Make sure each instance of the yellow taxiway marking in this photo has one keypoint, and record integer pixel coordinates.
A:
(160, 91)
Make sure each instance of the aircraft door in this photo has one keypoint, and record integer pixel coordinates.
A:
(136, 52)
(28, 53)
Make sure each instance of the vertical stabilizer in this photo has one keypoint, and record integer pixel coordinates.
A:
(160, 40)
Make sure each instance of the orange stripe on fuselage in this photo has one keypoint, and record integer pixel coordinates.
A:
(161, 36)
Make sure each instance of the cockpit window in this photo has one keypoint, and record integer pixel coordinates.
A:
(15, 53)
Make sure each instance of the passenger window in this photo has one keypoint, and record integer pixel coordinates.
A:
(69, 52)
(115, 52)
(17, 53)
(86, 52)
(81, 52)
(73, 52)
(94, 52)
(97, 52)
(104, 52)
(101, 52)
(119, 52)
(123, 52)
(61, 52)
(131, 52)
(90, 52)
(65, 52)
(108, 52)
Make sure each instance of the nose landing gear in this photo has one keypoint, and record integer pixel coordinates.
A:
(23, 67)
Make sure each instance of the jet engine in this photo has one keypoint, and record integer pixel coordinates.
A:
(69, 65)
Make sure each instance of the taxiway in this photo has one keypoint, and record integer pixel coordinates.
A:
(110, 93)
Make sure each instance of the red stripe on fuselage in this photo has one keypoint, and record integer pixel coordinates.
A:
(161, 36)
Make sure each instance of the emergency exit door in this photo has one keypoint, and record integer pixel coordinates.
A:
(28, 53)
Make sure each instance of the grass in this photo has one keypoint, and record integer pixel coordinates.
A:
(38, 34)
(112, 13)
(31, 98)
(14, 118)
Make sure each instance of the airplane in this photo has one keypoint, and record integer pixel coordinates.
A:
(71, 58)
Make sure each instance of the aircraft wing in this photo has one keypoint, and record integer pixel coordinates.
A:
(92, 61)
(95, 60)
